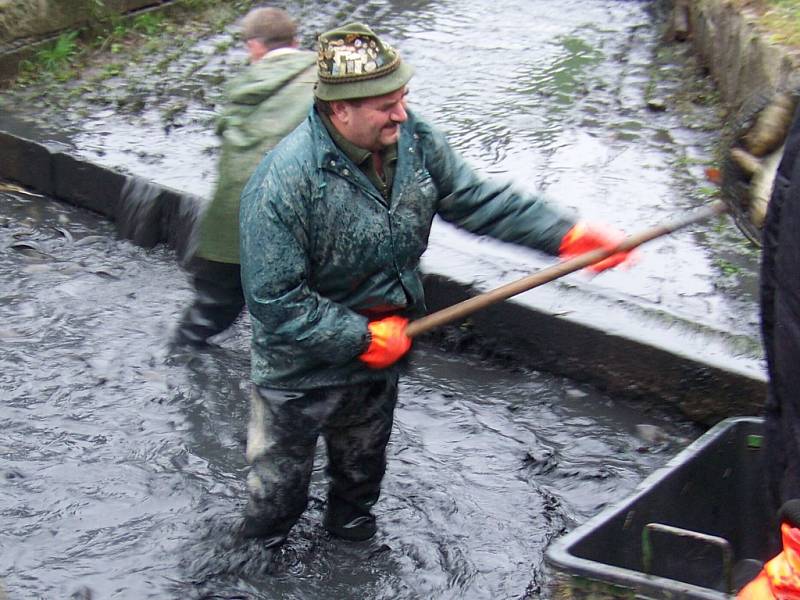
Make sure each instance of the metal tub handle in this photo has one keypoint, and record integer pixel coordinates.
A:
(713, 540)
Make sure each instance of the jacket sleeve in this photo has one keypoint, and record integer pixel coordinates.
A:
(275, 273)
(488, 207)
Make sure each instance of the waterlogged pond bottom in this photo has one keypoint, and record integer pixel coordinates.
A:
(124, 465)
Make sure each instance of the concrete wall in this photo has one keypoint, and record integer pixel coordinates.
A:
(621, 366)
(25, 25)
(741, 58)
(21, 19)
(145, 212)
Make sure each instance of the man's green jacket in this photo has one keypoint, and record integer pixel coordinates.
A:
(321, 248)
(265, 103)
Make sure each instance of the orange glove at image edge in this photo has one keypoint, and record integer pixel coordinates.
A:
(583, 237)
(388, 343)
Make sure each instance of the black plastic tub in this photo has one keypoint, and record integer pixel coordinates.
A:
(693, 529)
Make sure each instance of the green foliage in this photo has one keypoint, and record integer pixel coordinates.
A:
(148, 23)
(782, 19)
(109, 32)
(112, 70)
(53, 61)
(728, 269)
(196, 4)
(789, 7)
(61, 52)
(223, 46)
(709, 192)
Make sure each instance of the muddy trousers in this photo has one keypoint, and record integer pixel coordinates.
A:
(355, 422)
(218, 301)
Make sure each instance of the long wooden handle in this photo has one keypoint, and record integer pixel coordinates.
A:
(476, 303)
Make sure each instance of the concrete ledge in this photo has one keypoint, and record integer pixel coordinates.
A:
(623, 366)
(179, 219)
(85, 184)
(27, 162)
(739, 56)
(144, 212)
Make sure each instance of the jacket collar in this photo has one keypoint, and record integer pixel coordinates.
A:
(328, 155)
(281, 51)
(331, 158)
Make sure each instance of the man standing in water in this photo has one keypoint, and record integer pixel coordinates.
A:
(333, 224)
(264, 104)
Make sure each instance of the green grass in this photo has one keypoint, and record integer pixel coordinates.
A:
(110, 33)
(728, 269)
(54, 61)
(782, 19)
(148, 23)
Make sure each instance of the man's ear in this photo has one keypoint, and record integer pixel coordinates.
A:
(341, 110)
(256, 49)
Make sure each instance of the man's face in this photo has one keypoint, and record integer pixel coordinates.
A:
(371, 123)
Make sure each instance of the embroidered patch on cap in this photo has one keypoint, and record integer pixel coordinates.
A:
(354, 55)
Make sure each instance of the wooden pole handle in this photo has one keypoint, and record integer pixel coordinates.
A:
(476, 303)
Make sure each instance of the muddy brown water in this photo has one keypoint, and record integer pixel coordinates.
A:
(123, 465)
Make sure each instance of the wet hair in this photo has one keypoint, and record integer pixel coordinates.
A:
(324, 106)
(273, 27)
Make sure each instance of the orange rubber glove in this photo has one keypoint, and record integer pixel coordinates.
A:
(389, 342)
(584, 238)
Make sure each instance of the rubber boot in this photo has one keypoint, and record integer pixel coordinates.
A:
(254, 528)
(217, 303)
(348, 520)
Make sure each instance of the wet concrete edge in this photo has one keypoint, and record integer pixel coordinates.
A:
(509, 331)
(741, 57)
(624, 367)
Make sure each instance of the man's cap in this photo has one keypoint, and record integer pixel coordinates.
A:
(353, 62)
(268, 25)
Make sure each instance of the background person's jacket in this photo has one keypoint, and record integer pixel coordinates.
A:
(321, 248)
(264, 104)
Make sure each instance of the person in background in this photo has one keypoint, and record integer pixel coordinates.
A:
(780, 327)
(333, 224)
(780, 577)
(264, 104)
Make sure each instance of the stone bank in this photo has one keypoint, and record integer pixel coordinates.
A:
(739, 54)
(27, 25)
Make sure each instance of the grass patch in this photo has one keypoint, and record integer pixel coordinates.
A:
(55, 60)
(148, 23)
(727, 268)
(108, 36)
(781, 18)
